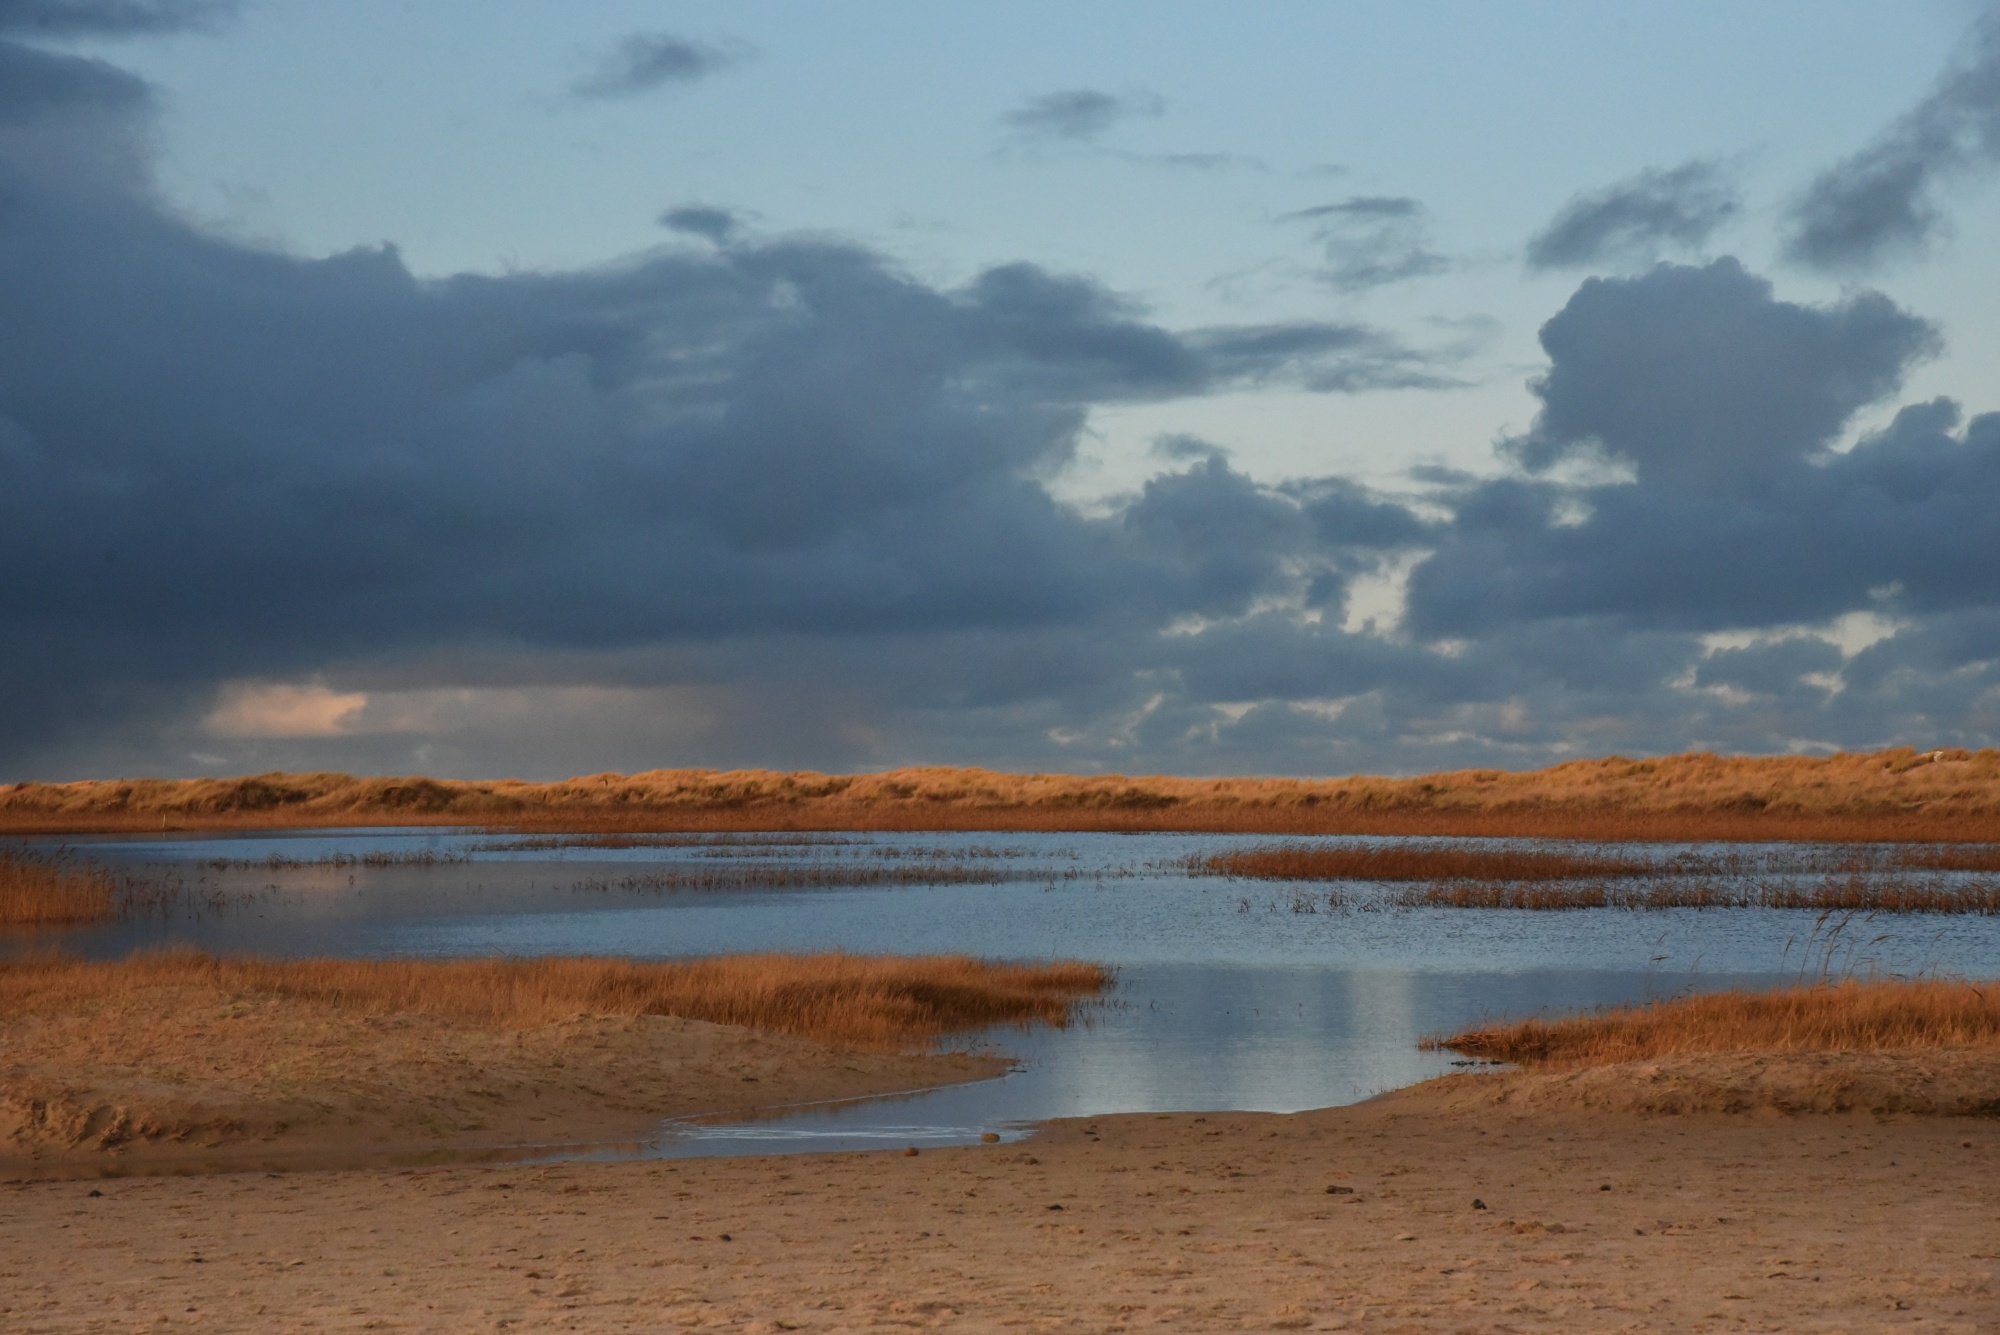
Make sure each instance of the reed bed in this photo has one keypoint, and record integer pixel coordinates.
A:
(423, 857)
(1855, 894)
(53, 892)
(883, 1002)
(794, 876)
(1411, 862)
(1848, 1016)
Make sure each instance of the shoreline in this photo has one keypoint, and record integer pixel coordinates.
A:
(1392, 1215)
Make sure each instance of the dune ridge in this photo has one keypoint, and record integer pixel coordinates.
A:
(1894, 794)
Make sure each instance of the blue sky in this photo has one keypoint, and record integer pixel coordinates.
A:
(543, 389)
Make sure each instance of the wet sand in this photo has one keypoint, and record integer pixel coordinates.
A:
(1352, 1218)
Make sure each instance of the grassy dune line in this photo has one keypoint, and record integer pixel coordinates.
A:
(1897, 794)
(1844, 1017)
(886, 1002)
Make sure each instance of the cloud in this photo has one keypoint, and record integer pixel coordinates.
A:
(1078, 113)
(781, 502)
(1677, 208)
(645, 61)
(37, 84)
(249, 709)
(1887, 199)
(319, 462)
(73, 18)
(1372, 241)
(701, 220)
(1725, 402)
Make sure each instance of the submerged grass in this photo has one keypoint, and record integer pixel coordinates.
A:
(884, 1002)
(1892, 879)
(1411, 862)
(794, 876)
(1854, 893)
(1841, 1017)
(53, 892)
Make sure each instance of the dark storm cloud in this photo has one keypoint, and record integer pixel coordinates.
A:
(36, 83)
(1887, 199)
(316, 460)
(1678, 208)
(75, 18)
(779, 502)
(1078, 113)
(1372, 241)
(1724, 401)
(645, 61)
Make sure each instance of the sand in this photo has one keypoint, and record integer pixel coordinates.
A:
(163, 1077)
(1593, 1221)
(1694, 1193)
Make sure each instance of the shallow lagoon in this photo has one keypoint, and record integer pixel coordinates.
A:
(1231, 994)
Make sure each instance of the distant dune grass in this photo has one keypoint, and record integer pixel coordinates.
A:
(1897, 794)
(862, 1001)
(1842, 1017)
(51, 892)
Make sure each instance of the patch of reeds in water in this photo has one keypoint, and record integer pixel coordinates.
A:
(1432, 875)
(852, 1000)
(1854, 893)
(794, 876)
(1841, 1017)
(422, 857)
(1411, 862)
(53, 892)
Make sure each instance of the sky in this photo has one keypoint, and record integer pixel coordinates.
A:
(515, 389)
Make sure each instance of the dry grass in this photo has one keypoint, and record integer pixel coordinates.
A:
(793, 876)
(886, 1002)
(1411, 862)
(1853, 894)
(1843, 1017)
(43, 892)
(1900, 794)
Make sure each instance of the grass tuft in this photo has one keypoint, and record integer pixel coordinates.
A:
(1842, 1017)
(886, 1002)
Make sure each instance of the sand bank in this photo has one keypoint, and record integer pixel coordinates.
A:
(172, 1061)
(1354, 1218)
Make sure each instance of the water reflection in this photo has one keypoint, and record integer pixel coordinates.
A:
(1229, 997)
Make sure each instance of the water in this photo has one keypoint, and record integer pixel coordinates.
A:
(1231, 994)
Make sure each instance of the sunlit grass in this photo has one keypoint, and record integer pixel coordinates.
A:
(853, 1000)
(53, 892)
(1842, 1017)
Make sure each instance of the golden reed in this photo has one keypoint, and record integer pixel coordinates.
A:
(52, 892)
(852, 1000)
(1843, 1017)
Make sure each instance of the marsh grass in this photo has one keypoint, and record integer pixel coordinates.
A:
(1854, 893)
(54, 891)
(1411, 862)
(1848, 1016)
(793, 876)
(1431, 875)
(884, 1002)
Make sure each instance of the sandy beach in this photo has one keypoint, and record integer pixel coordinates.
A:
(1351, 1218)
